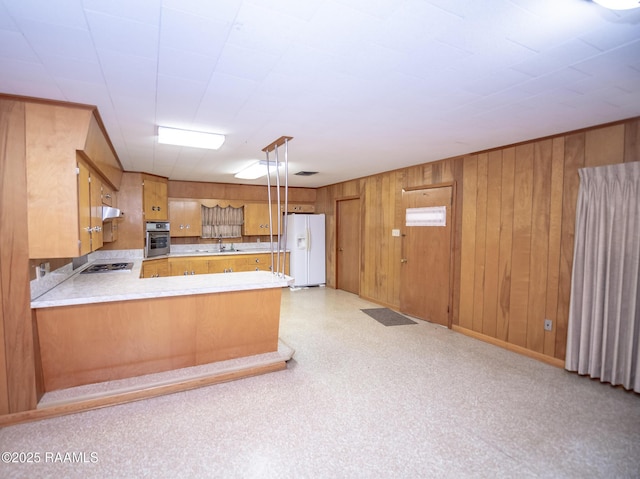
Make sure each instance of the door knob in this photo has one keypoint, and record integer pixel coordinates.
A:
(403, 260)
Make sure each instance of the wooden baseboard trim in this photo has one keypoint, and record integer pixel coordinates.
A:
(559, 363)
(136, 395)
(381, 303)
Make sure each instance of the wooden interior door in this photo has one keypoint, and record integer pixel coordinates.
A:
(426, 259)
(348, 244)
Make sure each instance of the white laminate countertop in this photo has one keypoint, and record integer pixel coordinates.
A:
(123, 286)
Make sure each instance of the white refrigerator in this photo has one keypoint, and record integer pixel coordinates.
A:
(306, 243)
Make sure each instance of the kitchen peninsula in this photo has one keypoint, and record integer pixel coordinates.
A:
(93, 328)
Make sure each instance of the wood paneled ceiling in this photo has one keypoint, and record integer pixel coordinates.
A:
(363, 86)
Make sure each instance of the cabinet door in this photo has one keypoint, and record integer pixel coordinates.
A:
(110, 231)
(155, 268)
(84, 209)
(89, 210)
(200, 266)
(262, 262)
(108, 196)
(154, 200)
(228, 264)
(96, 212)
(257, 219)
(185, 218)
(188, 266)
(296, 208)
(178, 267)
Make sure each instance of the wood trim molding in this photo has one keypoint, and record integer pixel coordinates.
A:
(559, 363)
(430, 187)
(136, 395)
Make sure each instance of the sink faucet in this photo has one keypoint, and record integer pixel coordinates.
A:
(220, 245)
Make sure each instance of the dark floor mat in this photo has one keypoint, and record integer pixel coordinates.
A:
(387, 317)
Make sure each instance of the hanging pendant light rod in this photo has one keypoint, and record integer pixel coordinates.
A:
(279, 142)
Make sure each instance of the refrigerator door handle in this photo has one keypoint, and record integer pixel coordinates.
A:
(308, 239)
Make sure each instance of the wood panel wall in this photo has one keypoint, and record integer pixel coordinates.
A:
(513, 236)
(195, 189)
(17, 360)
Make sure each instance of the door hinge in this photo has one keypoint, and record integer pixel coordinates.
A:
(77, 170)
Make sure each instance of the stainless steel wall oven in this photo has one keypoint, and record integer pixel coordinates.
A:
(158, 241)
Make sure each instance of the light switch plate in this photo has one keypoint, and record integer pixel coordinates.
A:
(395, 232)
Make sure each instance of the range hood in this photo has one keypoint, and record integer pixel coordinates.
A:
(109, 213)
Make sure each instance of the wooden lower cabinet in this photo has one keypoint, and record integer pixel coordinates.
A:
(155, 268)
(188, 266)
(229, 263)
(245, 262)
(98, 342)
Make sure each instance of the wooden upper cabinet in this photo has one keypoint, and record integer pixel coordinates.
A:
(101, 154)
(108, 196)
(185, 217)
(155, 203)
(299, 208)
(95, 188)
(257, 219)
(56, 146)
(84, 210)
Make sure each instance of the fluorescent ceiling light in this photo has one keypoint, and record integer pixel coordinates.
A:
(196, 139)
(256, 170)
(618, 4)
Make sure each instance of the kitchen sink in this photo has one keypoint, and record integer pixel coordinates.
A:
(217, 250)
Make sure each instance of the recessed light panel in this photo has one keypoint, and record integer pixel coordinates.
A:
(194, 139)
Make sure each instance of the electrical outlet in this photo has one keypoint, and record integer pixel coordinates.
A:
(42, 269)
(548, 324)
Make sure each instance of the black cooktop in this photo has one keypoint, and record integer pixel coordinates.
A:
(108, 268)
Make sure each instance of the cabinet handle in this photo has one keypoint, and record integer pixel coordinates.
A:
(108, 196)
(188, 226)
(403, 260)
(181, 227)
(257, 260)
(193, 272)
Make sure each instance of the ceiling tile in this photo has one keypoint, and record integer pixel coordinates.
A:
(128, 75)
(178, 101)
(143, 11)
(225, 11)
(69, 42)
(68, 13)
(71, 68)
(188, 32)
(495, 81)
(123, 35)
(246, 63)
(185, 64)
(14, 45)
(332, 73)
(265, 29)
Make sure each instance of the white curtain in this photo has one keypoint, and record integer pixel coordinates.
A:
(218, 222)
(604, 315)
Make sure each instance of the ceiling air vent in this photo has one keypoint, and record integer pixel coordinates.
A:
(306, 173)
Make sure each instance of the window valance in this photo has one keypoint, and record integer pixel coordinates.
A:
(218, 222)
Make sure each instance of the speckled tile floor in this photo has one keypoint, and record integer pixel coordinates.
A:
(358, 400)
